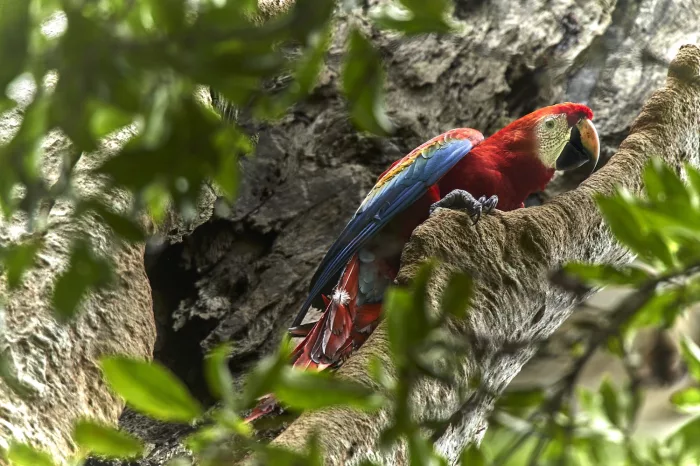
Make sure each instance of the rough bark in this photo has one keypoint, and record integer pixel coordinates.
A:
(249, 268)
(56, 364)
(514, 306)
(241, 276)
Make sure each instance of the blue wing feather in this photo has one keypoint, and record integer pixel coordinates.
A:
(381, 205)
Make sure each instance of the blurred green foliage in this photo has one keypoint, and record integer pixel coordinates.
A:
(596, 427)
(104, 440)
(137, 65)
(125, 63)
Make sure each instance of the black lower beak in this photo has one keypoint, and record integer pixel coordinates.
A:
(574, 154)
(583, 147)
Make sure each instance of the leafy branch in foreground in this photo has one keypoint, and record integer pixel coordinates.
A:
(564, 425)
(662, 230)
(138, 65)
(421, 347)
(124, 63)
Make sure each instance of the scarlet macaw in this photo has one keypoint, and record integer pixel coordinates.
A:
(458, 169)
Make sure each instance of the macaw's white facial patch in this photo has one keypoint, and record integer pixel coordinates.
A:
(552, 132)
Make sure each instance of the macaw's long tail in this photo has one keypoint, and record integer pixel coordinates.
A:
(342, 328)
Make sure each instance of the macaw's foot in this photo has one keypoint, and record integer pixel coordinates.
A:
(460, 199)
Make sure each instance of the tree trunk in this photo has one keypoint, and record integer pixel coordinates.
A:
(54, 365)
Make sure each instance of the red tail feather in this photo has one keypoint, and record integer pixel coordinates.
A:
(265, 405)
(321, 347)
(367, 316)
(342, 328)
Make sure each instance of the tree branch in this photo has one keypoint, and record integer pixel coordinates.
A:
(55, 364)
(510, 255)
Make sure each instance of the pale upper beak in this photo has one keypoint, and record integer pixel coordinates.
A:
(583, 147)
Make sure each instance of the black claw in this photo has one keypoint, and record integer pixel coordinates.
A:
(490, 204)
(459, 199)
(475, 213)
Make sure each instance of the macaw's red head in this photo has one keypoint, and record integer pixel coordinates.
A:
(561, 136)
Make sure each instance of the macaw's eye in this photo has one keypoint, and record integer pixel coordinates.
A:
(549, 124)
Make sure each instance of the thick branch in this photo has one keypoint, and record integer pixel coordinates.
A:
(55, 365)
(510, 255)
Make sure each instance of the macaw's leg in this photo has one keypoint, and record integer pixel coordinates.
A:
(460, 199)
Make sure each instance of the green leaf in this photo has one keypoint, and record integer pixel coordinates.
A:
(306, 72)
(363, 85)
(280, 456)
(687, 398)
(17, 258)
(309, 17)
(634, 227)
(218, 376)
(521, 400)
(419, 288)
(608, 274)
(660, 310)
(180, 148)
(309, 390)
(614, 345)
(416, 17)
(635, 398)
(105, 441)
(167, 15)
(408, 322)
(21, 454)
(157, 201)
(14, 39)
(310, 64)
(691, 355)
(231, 144)
(151, 389)
(420, 450)
(87, 59)
(457, 295)
(231, 420)
(659, 248)
(85, 271)
(688, 436)
(663, 185)
(625, 226)
(379, 373)
(105, 118)
(611, 403)
(693, 175)
(472, 456)
(398, 304)
(205, 437)
(265, 375)
(20, 158)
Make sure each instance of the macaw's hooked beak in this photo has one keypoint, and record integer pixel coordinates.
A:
(583, 147)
